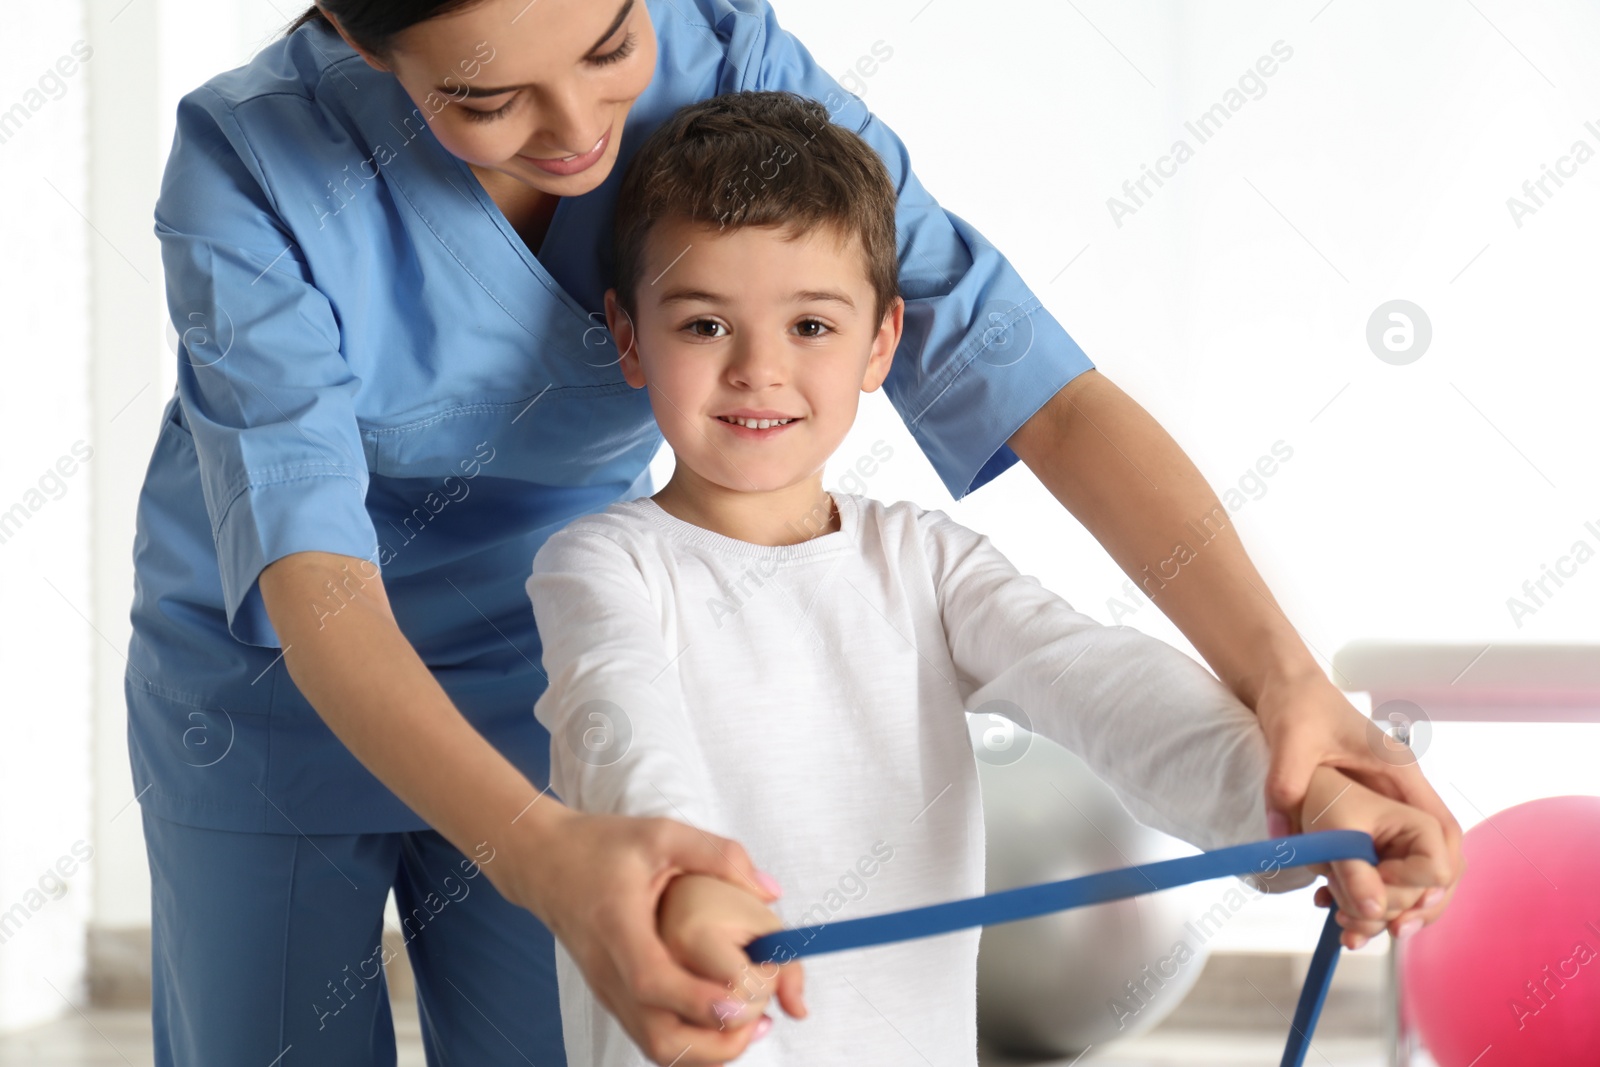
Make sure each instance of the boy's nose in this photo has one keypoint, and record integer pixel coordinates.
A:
(756, 364)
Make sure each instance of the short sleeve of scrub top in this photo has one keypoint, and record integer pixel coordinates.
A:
(373, 363)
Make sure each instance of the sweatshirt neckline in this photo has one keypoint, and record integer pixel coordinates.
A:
(690, 534)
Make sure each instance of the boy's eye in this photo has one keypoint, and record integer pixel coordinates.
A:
(811, 328)
(474, 115)
(699, 326)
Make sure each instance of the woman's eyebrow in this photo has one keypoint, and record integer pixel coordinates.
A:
(479, 90)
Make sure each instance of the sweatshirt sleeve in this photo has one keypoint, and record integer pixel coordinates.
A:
(1182, 754)
(620, 741)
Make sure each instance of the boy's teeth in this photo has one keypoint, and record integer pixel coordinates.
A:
(755, 424)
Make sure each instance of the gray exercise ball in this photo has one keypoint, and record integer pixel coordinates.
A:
(1060, 983)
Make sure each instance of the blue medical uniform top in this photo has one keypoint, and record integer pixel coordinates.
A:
(374, 364)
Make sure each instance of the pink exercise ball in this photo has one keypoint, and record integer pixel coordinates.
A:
(1510, 974)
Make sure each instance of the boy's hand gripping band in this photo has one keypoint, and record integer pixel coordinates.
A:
(1027, 902)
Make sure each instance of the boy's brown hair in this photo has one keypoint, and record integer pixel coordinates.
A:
(758, 159)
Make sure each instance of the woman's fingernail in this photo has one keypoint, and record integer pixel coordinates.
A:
(762, 1026)
(769, 883)
(1432, 897)
(1372, 906)
(727, 1009)
(1409, 927)
(1277, 824)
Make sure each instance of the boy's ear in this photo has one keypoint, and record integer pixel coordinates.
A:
(623, 335)
(883, 346)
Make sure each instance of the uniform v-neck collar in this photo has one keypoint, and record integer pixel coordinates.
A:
(454, 205)
(486, 203)
(444, 193)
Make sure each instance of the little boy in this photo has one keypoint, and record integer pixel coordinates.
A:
(748, 653)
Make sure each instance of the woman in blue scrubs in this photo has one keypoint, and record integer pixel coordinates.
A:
(386, 241)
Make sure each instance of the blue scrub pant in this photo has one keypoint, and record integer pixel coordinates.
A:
(266, 950)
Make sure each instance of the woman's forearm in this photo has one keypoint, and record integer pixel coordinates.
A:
(1121, 475)
(368, 684)
(594, 880)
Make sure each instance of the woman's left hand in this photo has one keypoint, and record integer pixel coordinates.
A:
(1308, 723)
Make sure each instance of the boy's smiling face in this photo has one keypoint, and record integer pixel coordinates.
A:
(760, 323)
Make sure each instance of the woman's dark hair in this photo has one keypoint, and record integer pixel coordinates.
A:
(374, 23)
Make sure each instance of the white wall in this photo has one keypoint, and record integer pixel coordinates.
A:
(48, 458)
(148, 55)
(1233, 305)
(127, 397)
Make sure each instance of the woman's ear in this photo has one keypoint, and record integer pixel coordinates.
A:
(623, 335)
(372, 61)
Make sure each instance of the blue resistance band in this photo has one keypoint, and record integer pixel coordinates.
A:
(1028, 902)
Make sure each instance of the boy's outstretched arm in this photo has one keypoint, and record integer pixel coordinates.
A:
(622, 745)
(1179, 750)
(1120, 474)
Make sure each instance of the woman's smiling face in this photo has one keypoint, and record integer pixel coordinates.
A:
(535, 89)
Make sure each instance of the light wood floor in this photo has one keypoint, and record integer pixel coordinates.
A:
(106, 1038)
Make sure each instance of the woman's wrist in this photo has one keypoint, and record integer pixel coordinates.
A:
(1285, 670)
(527, 842)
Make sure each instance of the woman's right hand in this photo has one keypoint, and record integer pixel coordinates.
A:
(596, 881)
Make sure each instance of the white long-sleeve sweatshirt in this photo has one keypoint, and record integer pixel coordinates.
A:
(808, 701)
